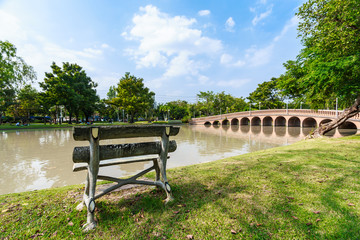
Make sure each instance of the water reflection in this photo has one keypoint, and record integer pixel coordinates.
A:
(42, 159)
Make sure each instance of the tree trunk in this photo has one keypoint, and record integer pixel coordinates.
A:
(70, 116)
(345, 115)
(132, 115)
(1, 121)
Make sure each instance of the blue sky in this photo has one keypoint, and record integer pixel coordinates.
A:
(178, 47)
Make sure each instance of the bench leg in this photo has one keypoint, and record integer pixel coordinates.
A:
(81, 205)
(162, 163)
(167, 188)
(93, 170)
(157, 170)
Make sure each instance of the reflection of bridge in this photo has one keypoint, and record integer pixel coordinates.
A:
(278, 117)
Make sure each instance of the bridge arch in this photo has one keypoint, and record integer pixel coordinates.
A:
(280, 131)
(235, 128)
(268, 130)
(216, 123)
(294, 122)
(280, 121)
(347, 128)
(207, 123)
(235, 121)
(244, 121)
(256, 129)
(255, 121)
(324, 121)
(267, 121)
(225, 122)
(245, 128)
(294, 132)
(309, 122)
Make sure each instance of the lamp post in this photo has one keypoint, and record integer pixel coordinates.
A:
(123, 116)
(259, 105)
(300, 105)
(336, 107)
(249, 108)
(61, 115)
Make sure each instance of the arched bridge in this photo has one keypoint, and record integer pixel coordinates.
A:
(278, 117)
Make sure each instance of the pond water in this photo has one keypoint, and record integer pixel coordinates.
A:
(38, 159)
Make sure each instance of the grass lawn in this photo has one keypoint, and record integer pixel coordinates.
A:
(308, 190)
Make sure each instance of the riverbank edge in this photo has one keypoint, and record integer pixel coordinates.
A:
(310, 189)
(57, 126)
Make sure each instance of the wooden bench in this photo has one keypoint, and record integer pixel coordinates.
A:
(91, 158)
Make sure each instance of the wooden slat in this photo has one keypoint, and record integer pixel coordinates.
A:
(82, 133)
(83, 166)
(82, 154)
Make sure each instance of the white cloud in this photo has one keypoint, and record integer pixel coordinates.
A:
(227, 60)
(169, 42)
(259, 56)
(10, 28)
(39, 52)
(203, 80)
(262, 16)
(229, 24)
(204, 12)
(294, 21)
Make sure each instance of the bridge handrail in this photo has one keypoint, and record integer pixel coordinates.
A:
(298, 112)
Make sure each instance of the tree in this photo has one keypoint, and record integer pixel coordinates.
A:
(71, 87)
(28, 102)
(133, 96)
(328, 66)
(13, 73)
(206, 102)
(175, 109)
(267, 94)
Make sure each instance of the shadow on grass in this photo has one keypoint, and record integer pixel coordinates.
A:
(276, 199)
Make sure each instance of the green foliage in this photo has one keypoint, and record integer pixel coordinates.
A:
(176, 109)
(13, 73)
(213, 104)
(71, 87)
(267, 95)
(328, 66)
(28, 103)
(133, 96)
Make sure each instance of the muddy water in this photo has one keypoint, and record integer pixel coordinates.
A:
(41, 159)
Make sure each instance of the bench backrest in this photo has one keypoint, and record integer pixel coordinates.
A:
(82, 154)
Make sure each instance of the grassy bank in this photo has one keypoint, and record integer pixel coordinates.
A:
(308, 190)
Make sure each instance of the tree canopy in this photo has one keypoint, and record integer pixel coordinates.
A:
(133, 96)
(211, 103)
(14, 72)
(267, 95)
(71, 87)
(328, 67)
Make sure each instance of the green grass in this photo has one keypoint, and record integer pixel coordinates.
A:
(308, 190)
